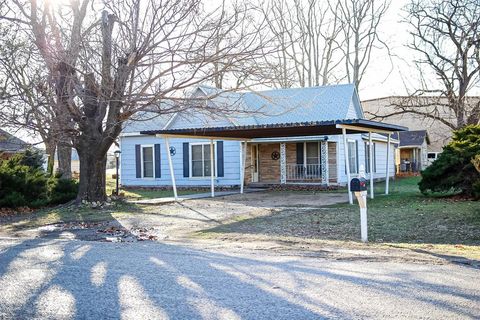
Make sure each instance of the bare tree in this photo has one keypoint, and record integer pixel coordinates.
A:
(28, 101)
(306, 34)
(446, 35)
(360, 21)
(110, 60)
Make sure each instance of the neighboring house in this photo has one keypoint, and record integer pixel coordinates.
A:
(411, 154)
(308, 159)
(10, 145)
(439, 134)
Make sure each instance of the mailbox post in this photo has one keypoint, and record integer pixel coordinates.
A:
(359, 187)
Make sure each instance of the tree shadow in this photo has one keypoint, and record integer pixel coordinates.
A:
(153, 280)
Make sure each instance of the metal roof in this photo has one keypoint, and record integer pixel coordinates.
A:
(283, 129)
(10, 143)
(412, 138)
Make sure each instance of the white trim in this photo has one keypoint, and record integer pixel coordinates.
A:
(365, 144)
(153, 160)
(319, 155)
(131, 134)
(203, 160)
(356, 152)
(169, 122)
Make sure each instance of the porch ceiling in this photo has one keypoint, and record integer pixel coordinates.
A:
(283, 129)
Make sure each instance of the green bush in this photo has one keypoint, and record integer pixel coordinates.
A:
(24, 183)
(454, 168)
(61, 190)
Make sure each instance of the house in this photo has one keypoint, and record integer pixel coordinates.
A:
(439, 134)
(10, 145)
(411, 154)
(283, 136)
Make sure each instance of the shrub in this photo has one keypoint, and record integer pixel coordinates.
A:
(454, 168)
(24, 183)
(61, 190)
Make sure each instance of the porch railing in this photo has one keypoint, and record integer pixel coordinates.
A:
(300, 172)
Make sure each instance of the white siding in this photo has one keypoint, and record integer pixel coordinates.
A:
(128, 172)
(381, 157)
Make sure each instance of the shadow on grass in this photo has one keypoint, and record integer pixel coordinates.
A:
(404, 216)
(69, 214)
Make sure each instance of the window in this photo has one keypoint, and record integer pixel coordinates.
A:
(147, 162)
(432, 155)
(201, 160)
(312, 153)
(367, 157)
(352, 156)
(312, 158)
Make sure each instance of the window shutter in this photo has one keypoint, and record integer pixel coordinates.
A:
(300, 153)
(356, 154)
(374, 157)
(138, 159)
(158, 171)
(220, 171)
(186, 168)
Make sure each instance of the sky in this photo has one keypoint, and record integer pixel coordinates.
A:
(385, 75)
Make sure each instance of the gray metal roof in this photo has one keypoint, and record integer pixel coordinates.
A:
(281, 130)
(412, 138)
(10, 143)
(280, 106)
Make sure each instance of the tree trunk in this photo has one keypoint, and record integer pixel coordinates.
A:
(92, 175)
(50, 148)
(64, 154)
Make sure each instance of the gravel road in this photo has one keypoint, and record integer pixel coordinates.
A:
(71, 279)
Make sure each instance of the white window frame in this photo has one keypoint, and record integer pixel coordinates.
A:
(305, 152)
(203, 160)
(355, 155)
(367, 143)
(153, 160)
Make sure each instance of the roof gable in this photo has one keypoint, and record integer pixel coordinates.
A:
(10, 143)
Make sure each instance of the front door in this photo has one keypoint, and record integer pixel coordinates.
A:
(255, 162)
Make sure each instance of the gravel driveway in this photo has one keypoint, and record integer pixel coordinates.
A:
(65, 279)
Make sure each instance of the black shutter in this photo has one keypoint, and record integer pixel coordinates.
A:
(300, 153)
(356, 154)
(220, 171)
(158, 170)
(374, 157)
(186, 169)
(138, 159)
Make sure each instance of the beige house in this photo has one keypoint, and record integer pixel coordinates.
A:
(439, 134)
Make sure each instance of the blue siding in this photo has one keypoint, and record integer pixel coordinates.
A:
(231, 155)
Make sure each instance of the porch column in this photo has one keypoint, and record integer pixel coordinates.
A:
(347, 164)
(370, 163)
(243, 159)
(283, 163)
(387, 178)
(170, 165)
(324, 162)
(212, 171)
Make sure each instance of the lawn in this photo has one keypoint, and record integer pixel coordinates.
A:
(145, 193)
(403, 218)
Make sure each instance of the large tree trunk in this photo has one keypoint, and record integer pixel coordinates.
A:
(50, 148)
(64, 154)
(92, 175)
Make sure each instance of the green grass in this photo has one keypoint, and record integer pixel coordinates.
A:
(144, 193)
(403, 217)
